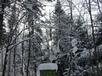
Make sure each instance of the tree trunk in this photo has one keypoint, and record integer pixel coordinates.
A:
(5, 62)
(28, 57)
(29, 50)
(93, 36)
(22, 56)
(22, 70)
(2, 58)
(9, 63)
(14, 61)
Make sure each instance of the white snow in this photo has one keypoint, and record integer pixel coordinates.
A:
(85, 53)
(48, 66)
(74, 42)
(75, 49)
(52, 57)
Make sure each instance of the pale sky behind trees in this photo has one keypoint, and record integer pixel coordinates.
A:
(79, 8)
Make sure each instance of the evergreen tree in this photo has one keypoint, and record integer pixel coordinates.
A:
(62, 23)
(81, 34)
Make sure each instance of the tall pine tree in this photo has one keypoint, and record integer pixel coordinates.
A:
(62, 28)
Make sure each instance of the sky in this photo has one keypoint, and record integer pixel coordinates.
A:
(78, 7)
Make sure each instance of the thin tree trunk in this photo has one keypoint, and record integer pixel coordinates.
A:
(71, 25)
(2, 56)
(35, 70)
(22, 55)
(15, 33)
(14, 60)
(9, 63)
(29, 50)
(28, 57)
(90, 56)
(93, 36)
(22, 71)
(5, 62)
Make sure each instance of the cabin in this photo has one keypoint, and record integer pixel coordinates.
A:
(47, 69)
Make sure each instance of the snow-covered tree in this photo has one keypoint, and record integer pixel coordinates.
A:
(62, 23)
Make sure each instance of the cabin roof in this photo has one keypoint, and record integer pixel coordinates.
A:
(48, 66)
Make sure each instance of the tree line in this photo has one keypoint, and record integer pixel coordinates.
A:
(67, 38)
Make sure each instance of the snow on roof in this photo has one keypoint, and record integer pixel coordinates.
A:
(48, 66)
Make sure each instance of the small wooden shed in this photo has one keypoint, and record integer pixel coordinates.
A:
(47, 69)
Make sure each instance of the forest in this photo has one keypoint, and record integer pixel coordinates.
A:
(63, 33)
